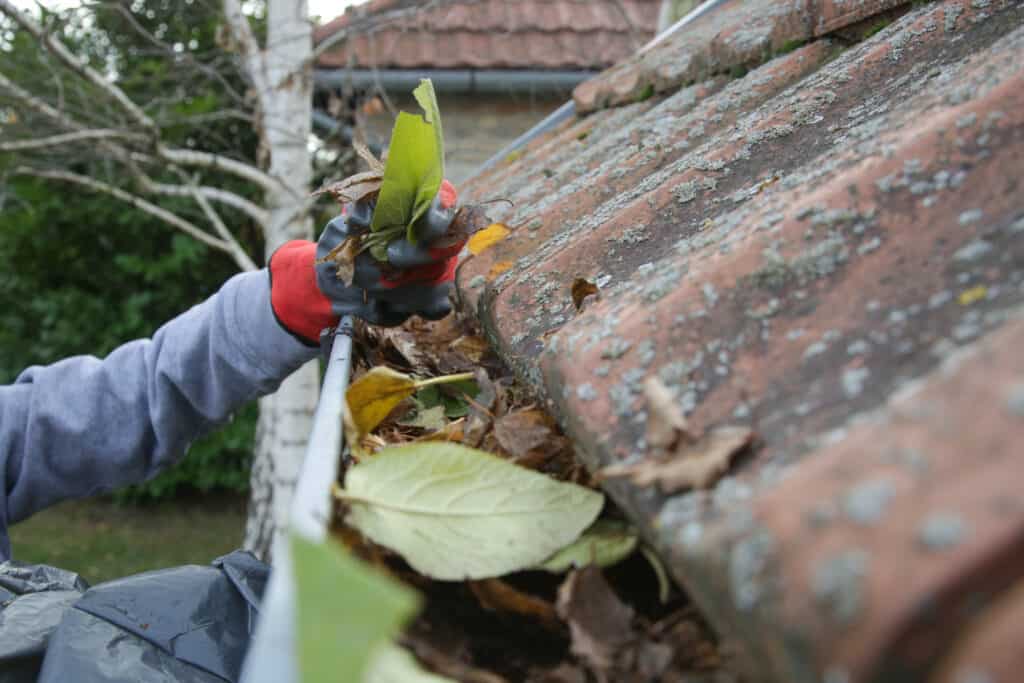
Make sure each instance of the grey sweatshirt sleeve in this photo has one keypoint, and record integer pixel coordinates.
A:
(84, 425)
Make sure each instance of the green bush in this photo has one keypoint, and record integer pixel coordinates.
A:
(87, 279)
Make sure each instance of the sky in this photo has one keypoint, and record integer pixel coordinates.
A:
(325, 9)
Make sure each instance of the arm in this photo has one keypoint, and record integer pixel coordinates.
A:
(83, 425)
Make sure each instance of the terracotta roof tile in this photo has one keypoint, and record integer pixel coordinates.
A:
(829, 247)
(492, 34)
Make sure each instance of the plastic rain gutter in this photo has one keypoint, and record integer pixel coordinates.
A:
(271, 657)
(455, 81)
(568, 110)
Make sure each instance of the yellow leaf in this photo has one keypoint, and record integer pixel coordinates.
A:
(375, 394)
(497, 269)
(488, 237)
(973, 295)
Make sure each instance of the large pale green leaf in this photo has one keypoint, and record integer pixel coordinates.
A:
(415, 165)
(392, 664)
(344, 612)
(457, 513)
(604, 544)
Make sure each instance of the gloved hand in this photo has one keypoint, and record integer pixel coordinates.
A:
(307, 296)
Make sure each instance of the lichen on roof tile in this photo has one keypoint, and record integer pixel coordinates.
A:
(805, 247)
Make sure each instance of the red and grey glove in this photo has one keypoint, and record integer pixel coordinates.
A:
(307, 297)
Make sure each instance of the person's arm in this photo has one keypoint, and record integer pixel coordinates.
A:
(83, 425)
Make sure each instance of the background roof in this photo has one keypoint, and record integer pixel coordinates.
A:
(490, 34)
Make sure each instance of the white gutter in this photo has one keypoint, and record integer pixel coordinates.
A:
(271, 657)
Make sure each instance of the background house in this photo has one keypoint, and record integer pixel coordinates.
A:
(499, 66)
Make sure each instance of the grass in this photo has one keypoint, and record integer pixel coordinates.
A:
(103, 540)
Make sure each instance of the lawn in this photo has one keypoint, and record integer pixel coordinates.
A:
(102, 540)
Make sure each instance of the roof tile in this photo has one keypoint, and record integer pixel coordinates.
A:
(742, 33)
(493, 34)
(829, 248)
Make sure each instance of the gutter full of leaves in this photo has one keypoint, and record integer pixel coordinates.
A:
(450, 475)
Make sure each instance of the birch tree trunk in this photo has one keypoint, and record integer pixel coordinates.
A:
(284, 91)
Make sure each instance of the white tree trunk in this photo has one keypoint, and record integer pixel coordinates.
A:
(286, 418)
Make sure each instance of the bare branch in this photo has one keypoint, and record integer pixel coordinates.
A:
(230, 198)
(168, 51)
(77, 65)
(236, 251)
(137, 202)
(66, 138)
(39, 105)
(188, 157)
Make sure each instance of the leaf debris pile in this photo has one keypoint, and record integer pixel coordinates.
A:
(595, 610)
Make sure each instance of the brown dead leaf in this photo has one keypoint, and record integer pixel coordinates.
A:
(375, 164)
(468, 221)
(693, 466)
(563, 673)
(398, 343)
(581, 289)
(471, 347)
(447, 663)
(520, 431)
(344, 257)
(600, 624)
(498, 596)
(666, 424)
(354, 188)
(453, 431)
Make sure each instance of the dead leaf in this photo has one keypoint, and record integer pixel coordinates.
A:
(375, 164)
(468, 221)
(666, 424)
(581, 289)
(354, 188)
(600, 624)
(498, 268)
(487, 238)
(564, 673)
(520, 431)
(498, 596)
(693, 466)
(453, 431)
(344, 257)
(432, 419)
(374, 395)
(471, 347)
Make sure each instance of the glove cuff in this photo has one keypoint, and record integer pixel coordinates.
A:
(298, 304)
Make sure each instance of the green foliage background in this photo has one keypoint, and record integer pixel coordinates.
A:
(81, 272)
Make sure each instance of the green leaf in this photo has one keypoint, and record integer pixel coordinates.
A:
(345, 612)
(415, 166)
(604, 544)
(458, 513)
(392, 664)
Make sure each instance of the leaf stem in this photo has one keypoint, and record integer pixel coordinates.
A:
(446, 379)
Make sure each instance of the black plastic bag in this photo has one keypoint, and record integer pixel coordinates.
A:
(190, 624)
(33, 601)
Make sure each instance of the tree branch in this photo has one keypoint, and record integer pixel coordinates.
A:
(255, 212)
(65, 138)
(77, 65)
(137, 202)
(235, 249)
(179, 156)
(238, 23)
(188, 157)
